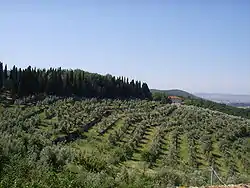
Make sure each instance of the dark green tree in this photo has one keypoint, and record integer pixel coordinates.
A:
(146, 92)
(5, 76)
(159, 96)
(32, 81)
(1, 75)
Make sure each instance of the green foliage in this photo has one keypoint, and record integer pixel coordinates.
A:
(175, 92)
(56, 157)
(77, 83)
(245, 113)
(1, 75)
(134, 143)
(162, 97)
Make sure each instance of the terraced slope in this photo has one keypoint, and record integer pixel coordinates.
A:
(170, 144)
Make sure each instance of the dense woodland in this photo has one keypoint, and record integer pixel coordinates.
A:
(31, 81)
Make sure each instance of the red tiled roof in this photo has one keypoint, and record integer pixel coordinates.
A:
(174, 97)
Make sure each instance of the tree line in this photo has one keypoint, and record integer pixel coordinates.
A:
(62, 82)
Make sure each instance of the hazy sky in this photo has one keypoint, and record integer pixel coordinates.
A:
(195, 45)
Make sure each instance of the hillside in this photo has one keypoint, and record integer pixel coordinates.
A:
(231, 110)
(176, 92)
(117, 143)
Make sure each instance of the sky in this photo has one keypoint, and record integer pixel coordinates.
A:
(194, 45)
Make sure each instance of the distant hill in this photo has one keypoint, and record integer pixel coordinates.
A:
(229, 99)
(176, 92)
(242, 105)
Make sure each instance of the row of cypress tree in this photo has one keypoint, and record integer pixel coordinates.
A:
(60, 82)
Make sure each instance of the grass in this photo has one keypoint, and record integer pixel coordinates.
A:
(99, 144)
(184, 148)
(164, 149)
(84, 145)
(202, 159)
(218, 157)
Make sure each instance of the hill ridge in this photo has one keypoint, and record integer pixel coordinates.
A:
(176, 92)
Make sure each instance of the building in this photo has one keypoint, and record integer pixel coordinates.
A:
(176, 100)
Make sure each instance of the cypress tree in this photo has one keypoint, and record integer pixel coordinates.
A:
(5, 76)
(146, 92)
(13, 82)
(1, 75)
(67, 82)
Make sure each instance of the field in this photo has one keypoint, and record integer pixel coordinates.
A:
(115, 143)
